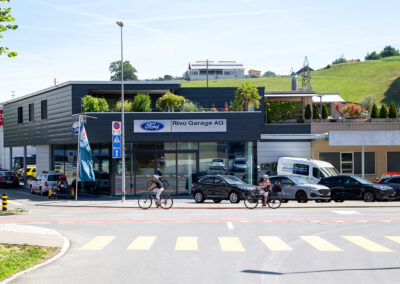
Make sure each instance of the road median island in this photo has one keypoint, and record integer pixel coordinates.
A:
(15, 258)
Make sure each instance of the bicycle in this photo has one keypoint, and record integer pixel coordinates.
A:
(252, 199)
(163, 181)
(146, 200)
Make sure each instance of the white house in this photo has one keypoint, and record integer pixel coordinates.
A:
(198, 70)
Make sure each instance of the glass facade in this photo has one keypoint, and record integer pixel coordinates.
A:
(180, 164)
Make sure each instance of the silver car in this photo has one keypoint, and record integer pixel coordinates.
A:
(300, 189)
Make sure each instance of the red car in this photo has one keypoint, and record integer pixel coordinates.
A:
(388, 175)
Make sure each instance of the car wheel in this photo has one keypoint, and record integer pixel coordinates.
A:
(217, 200)
(369, 196)
(234, 197)
(338, 200)
(301, 197)
(32, 191)
(199, 197)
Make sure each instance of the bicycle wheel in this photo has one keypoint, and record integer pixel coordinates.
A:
(251, 201)
(145, 201)
(274, 203)
(166, 201)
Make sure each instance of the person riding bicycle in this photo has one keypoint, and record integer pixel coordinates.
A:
(265, 187)
(157, 188)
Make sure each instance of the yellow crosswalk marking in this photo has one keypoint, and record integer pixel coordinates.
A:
(367, 244)
(320, 244)
(13, 202)
(98, 243)
(394, 238)
(275, 243)
(230, 244)
(186, 243)
(142, 243)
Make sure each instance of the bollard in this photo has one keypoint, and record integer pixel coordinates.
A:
(49, 193)
(4, 202)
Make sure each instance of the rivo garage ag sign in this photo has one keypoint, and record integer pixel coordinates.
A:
(179, 126)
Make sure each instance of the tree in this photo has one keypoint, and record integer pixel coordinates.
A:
(372, 56)
(127, 106)
(389, 51)
(92, 104)
(315, 112)
(392, 110)
(374, 111)
(186, 75)
(141, 103)
(247, 95)
(368, 101)
(169, 101)
(129, 71)
(339, 60)
(167, 77)
(5, 17)
(307, 112)
(269, 74)
(383, 112)
(325, 111)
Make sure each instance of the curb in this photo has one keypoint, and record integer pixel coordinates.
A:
(63, 250)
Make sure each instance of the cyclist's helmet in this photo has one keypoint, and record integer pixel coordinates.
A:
(265, 176)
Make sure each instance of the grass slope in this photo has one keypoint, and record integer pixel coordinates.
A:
(352, 80)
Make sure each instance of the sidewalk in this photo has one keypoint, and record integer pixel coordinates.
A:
(30, 235)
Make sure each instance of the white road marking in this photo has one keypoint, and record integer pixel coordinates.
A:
(345, 212)
(230, 225)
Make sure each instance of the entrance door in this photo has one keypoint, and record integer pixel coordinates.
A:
(187, 169)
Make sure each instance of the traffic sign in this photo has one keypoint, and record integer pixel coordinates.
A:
(75, 128)
(116, 153)
(116, 141)
(116, 128)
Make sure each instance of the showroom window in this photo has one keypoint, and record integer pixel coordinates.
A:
(393, 161)
(350, 162)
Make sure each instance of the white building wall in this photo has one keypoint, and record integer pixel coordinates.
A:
(43, 158)
(270, 152)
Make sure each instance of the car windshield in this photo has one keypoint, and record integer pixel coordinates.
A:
(361, 180)
(234, 180)
(240, 162)
(329, 171)
(217, 160)
(53, 177)
(299, 180)
(7, 173)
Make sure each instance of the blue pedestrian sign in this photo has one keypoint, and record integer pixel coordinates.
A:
(116, 141)
(116, 153)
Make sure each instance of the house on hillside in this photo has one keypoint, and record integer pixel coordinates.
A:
(198, 70)
(353, 60)
(254, 73)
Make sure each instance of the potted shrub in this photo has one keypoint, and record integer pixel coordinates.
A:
(307, 113)
(352, 111)
(392, 111)
(383, 113)
(325, 111)
(169, 102)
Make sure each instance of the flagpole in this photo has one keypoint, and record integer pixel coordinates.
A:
(78, 159)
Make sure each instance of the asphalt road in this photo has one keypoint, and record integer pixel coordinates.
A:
(111, 242)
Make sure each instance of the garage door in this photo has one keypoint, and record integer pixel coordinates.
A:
(270, 152)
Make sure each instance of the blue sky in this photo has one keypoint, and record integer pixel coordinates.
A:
(77, 39)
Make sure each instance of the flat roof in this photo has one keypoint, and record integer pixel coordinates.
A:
(141, 82)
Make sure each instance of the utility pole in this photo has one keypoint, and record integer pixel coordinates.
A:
(207, 72)
(13, 94)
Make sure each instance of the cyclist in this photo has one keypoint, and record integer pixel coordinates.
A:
(157, 188)
(265, 187)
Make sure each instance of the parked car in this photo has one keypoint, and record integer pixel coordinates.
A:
(387, 175)
(8, 179)
(239, 165)
(30, 174)
(313, 169)
(300, 189)
(217, 164)
(45, 181)
(393, 181)
(220, 187)
(356, 188)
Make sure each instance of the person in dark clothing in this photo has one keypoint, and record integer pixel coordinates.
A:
(157, 188)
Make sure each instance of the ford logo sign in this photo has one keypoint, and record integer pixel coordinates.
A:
(152, 126)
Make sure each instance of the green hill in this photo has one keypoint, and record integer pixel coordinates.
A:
(352, 80)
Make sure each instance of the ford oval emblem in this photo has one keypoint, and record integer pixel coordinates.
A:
(152, 126)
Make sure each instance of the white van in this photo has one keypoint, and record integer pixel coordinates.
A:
(313, 170)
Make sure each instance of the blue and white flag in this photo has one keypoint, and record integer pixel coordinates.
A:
(86, 160)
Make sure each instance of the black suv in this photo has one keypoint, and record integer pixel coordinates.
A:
(356, 188)
(220, 187)
(394, 182)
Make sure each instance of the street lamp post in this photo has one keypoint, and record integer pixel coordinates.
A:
(121, 24)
